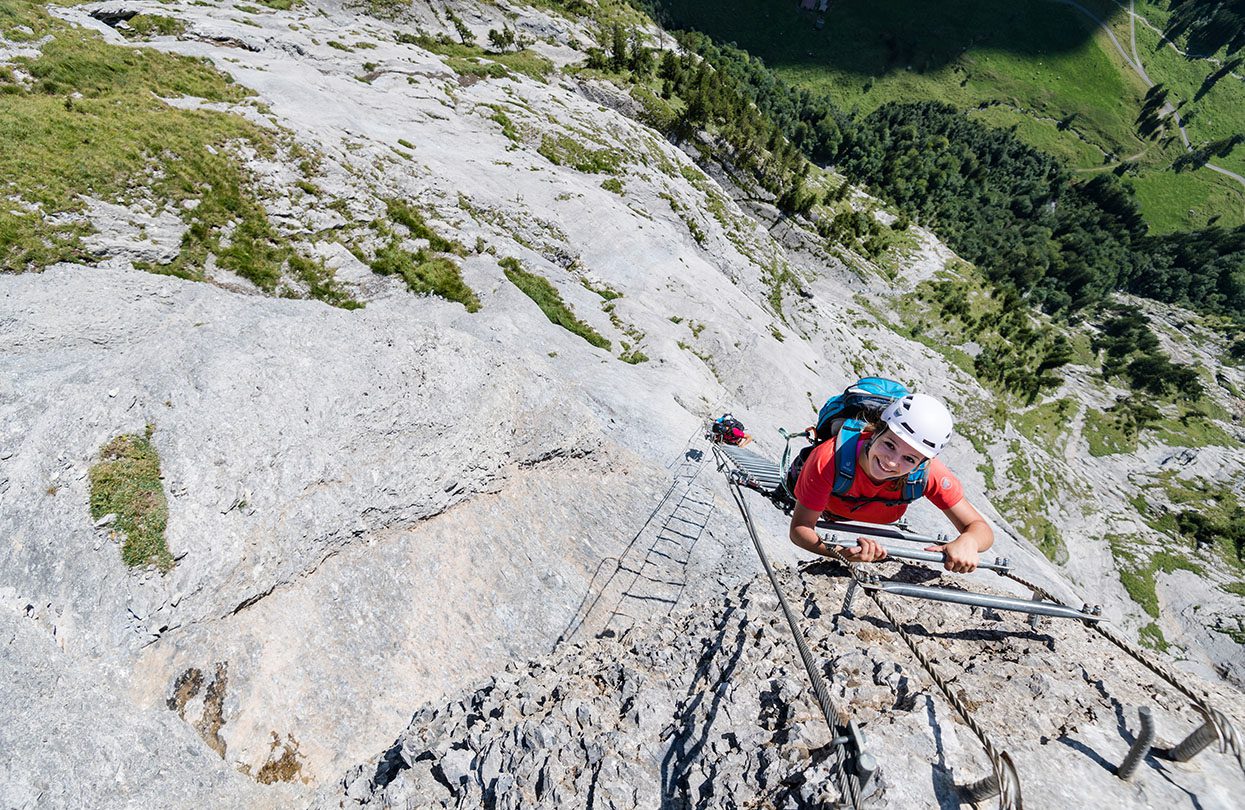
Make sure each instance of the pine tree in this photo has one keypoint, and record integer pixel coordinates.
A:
(618, 49)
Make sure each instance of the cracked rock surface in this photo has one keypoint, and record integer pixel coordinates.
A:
(711, 707)
(481, 519)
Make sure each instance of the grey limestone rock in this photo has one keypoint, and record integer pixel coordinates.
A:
(771, 748)
(373, 510)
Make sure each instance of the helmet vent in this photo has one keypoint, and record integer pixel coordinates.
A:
(924, 422)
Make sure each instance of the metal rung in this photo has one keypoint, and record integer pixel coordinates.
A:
(983, 600)
(1000, 564)
(741, 456)
(981, 790)
(849, 598)
(1194, 744)
(760, 472)
(873, 530)
(866, 763)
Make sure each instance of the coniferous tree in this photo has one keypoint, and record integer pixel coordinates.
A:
(618, 48)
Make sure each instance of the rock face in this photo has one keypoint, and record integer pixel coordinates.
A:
(71, 738)
(369, 509)
(259, 519)
(711, 707)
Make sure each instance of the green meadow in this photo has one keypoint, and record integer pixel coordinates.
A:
(1040, 67)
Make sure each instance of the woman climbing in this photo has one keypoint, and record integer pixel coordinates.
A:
(728, 430)
(871, 471)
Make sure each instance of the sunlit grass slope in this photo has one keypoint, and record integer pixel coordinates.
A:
(1042, 67)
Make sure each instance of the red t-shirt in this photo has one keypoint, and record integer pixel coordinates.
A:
(814, 489)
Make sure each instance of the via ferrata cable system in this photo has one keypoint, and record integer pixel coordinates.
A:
(1216, 728)
(745, 469)
(853, 766)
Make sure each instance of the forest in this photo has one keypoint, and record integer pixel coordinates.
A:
(1209, 24)
(1063, 243)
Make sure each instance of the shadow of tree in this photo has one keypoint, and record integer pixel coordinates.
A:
(876, 39)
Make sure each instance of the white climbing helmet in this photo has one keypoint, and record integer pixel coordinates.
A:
(921, 421)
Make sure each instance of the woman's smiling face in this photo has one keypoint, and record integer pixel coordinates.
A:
(888, 457)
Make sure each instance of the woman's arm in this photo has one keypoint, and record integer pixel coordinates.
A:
(975, 537)
(804, 534)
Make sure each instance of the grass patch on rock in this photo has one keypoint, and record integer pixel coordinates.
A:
(1151, 636)
(406, 216)
(547, 297)
(1206, 513)
(630, 348)
(426, 271)
(1032, 492)
(564, 150)
(474, 66)
(425, 274)
(1193, 428)
(472, 60)
(776, 276)
(604, 13)
(1236, 633)
(978, 437)
(93, 122)
(146, 26)
(1138, 569)
(507, 125)
(126, 482)
(529, 63)
(606, 292)
(1106, 434)
(320, 282)
(633, 356)
(1045, 423)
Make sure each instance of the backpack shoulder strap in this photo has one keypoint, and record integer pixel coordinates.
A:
(845, 447)
(914, 484)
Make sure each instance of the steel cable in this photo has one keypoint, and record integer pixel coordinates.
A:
(1005, 775)
(849, 783)
(1229, 740)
